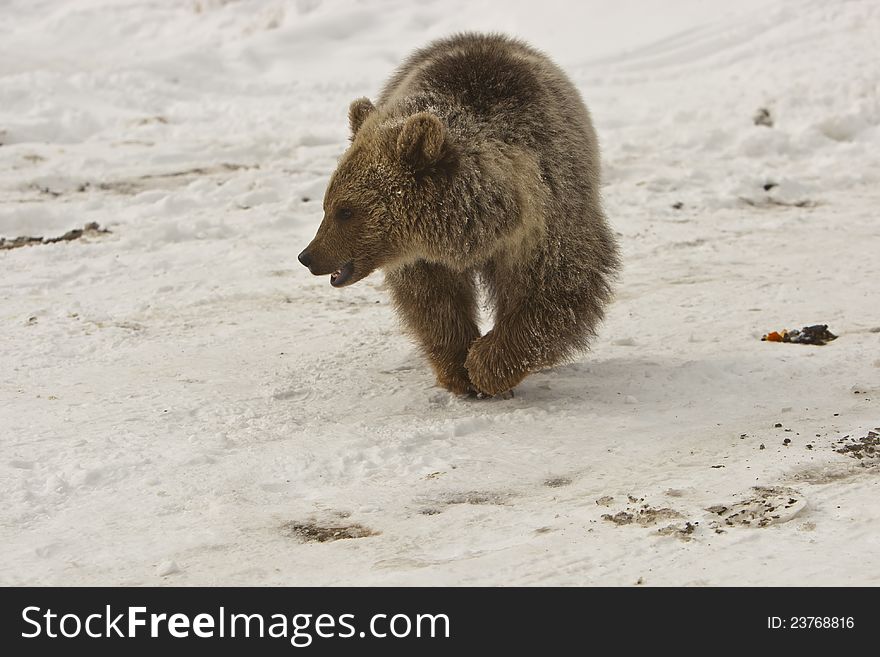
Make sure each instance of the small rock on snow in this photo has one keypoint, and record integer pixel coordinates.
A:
(167, 568)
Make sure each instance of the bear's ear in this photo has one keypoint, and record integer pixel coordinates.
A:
(357, 112)
(422, 141)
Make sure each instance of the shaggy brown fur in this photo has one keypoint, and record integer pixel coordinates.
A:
(478, 163)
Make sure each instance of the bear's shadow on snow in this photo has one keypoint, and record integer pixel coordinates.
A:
(616, 385)
(630, 383)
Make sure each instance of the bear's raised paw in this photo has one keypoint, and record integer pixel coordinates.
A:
(490, 366)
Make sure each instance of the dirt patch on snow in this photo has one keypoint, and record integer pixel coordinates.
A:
(488, 498)
(767, 506)
(638, 512)
(312, 532)
(681, 532)
(89, 230)
(866, 447)
(164, 180)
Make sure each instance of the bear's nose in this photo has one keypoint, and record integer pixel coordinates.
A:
(305, 258)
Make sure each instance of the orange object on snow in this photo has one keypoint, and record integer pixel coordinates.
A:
(817, 334)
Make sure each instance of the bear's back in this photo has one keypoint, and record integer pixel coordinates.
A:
(493, 86)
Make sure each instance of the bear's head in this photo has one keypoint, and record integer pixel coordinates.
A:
(391, 176)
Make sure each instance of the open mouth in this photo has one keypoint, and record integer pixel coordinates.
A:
(340, 276)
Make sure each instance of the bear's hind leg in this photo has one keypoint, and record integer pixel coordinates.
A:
(438, 306)
(530, 336)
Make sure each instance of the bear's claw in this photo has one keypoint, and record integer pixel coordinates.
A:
(501, 395)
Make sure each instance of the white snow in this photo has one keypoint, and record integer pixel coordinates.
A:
(178, 394)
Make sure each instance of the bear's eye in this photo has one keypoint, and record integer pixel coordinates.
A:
(344, 214)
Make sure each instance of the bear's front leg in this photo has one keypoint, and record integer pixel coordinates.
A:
(524, 339)
(451, 374)
(438, 306)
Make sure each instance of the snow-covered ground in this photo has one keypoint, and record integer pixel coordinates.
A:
(181, 403)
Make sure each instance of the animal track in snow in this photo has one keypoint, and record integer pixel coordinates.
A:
(468, 497)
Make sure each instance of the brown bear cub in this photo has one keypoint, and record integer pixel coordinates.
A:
(478, 163)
